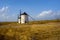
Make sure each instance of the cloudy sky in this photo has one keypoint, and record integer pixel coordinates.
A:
(38, 9)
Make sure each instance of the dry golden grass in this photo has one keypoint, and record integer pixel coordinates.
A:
(49, 30)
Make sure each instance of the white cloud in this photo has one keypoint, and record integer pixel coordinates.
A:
(3, 9)
(49, 14)
(5, 14)
(45, 13)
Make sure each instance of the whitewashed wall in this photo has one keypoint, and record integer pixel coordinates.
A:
(18, 20)
(24, 18)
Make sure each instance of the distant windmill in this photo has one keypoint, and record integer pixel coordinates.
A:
(23, 18)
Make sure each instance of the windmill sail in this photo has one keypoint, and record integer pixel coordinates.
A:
(31, 17)
(20, 16)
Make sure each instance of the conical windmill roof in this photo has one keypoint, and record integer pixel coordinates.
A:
(24, 13)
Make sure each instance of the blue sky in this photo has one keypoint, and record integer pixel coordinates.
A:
(38, 9)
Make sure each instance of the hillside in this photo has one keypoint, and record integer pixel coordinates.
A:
(34, 30)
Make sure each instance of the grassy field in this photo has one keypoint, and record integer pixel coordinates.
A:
(34, 30)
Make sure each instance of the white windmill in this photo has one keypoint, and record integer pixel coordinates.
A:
(23, 18)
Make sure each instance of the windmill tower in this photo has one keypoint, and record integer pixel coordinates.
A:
(23, 18)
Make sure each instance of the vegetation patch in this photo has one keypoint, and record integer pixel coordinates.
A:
(45, 31)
